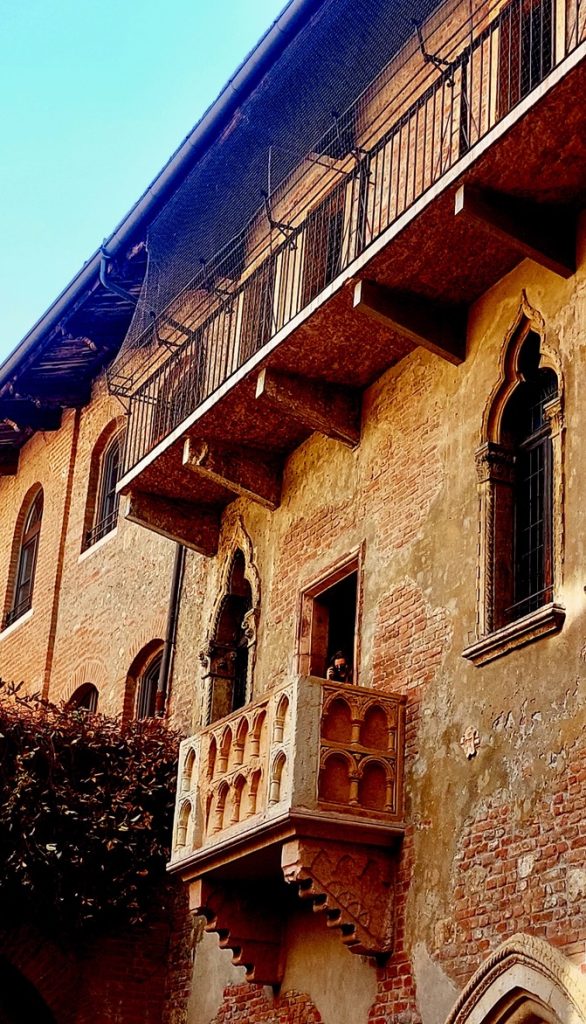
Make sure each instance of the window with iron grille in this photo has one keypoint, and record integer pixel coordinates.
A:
(22, 594)
(107, 500)
(520, 467)
(529, 431)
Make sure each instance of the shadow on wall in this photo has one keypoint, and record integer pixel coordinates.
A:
(20, 1003)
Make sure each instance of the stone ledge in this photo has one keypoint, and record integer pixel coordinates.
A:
(542, 622)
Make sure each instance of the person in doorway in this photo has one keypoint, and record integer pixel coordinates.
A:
(339, 669)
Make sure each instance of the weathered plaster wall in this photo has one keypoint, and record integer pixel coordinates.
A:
(494, 844)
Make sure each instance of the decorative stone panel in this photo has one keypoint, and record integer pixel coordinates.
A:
(316, 747)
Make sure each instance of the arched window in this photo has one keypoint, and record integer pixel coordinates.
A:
(526, 434)
(24, 580)
(520, 472)
(103, 501)
(85, 698)
(229, 645)
(146, 692)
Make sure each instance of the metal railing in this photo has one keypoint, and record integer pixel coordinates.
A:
(17, 611)
(488, 65)
(101, 528)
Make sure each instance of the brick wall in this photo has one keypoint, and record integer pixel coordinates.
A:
(494, 844)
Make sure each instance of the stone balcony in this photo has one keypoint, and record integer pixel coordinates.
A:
(304, 786)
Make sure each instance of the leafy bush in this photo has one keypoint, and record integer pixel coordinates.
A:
(86, 809)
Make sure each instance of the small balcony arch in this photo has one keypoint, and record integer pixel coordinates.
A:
(238, 788)
(183, 824)
(188, 770)
(256, 733)
(240, 741)
(337, 721)
(212, 754)
(277, 769)
(220, 806)
(374, 729)
(335, 779)
(224, 751)
(373, 785)
(280, 719)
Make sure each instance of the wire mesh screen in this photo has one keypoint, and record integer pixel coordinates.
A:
(367, 108)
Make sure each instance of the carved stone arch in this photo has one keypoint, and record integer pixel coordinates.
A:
(501, 490)
(218, 664)
(524, 978)
(337, 781)
(528, 320)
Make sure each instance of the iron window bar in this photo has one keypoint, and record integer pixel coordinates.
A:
(102, 528)
(18, 611)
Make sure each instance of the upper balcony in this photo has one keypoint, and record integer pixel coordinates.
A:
(305, 783)
(465, 156)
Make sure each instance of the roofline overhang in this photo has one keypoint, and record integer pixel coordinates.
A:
(247, 76)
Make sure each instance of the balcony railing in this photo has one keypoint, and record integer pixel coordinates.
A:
(489, 63)
(322, 753)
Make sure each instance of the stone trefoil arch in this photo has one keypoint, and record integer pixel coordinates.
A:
(495, 466)
(525, 979)
(212, 659)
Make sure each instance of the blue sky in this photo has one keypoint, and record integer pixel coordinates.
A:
(94, 97)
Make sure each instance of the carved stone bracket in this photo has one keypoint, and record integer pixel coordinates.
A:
(352, 886)
(246, 920)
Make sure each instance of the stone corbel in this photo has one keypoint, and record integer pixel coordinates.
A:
(247, 921)
(353, 886)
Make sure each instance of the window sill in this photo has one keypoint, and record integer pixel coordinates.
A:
(541, 622)
(20, 621)
(97, 544)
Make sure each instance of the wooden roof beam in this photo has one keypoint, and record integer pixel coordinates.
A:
(423, 321)
(245, 472)
(196, 526)
(538, 232)
(328, 408)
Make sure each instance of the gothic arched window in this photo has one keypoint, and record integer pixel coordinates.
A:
(520, 481)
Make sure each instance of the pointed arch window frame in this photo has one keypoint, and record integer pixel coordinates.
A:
(495, 467)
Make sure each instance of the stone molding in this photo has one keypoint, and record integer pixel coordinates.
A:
(240, 540)
(495, 469)
(543, 621)
(516, 969)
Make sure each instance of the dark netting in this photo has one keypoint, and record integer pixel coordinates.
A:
(305, 104)
(314, 167)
